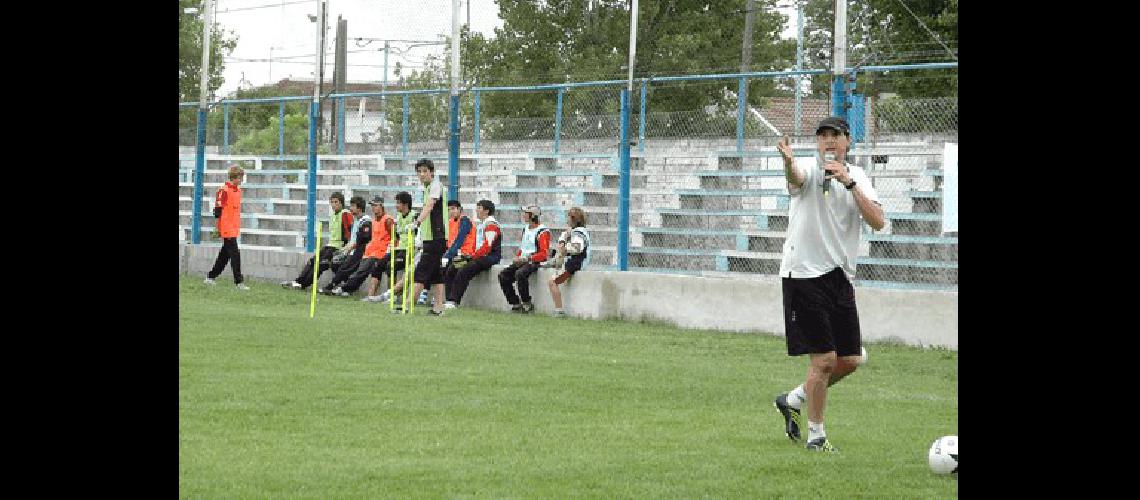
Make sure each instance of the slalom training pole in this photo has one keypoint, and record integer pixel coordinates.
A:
(316, 272)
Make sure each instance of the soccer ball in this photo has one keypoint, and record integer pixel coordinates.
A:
(943, 456)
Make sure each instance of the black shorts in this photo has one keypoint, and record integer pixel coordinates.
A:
(428, 270)
(820, 315)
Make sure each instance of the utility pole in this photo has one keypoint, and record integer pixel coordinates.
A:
(203, 103)
(314, 121)
(746, 52)
(799, 63)
(453, 143)
(384, 88)
(839, 61)
(623, 148)
(340, 74)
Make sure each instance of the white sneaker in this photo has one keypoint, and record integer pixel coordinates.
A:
(210, 281)
(449, 305)
(242, 286)
(371, 298)
(291, 284)
(341, 293)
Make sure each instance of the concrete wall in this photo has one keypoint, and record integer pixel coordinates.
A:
(920, 318)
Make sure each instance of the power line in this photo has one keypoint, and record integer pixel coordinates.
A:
(262, 6)
(927, 29)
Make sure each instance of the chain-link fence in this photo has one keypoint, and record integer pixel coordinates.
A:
(707, 190)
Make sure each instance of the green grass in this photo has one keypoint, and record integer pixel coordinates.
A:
(362, 403)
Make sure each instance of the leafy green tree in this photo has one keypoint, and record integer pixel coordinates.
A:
(883, 32)
(574, 40)
(264, 141)
(190, 58)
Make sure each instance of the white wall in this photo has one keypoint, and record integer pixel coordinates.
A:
(920, 318)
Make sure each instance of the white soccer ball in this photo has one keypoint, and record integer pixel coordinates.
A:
(943, 456)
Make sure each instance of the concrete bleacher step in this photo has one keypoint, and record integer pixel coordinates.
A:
(713, 239)
(730, 199)
(907, 271)
(539, 196)
(598, 162)
(926, 202)
(729, 180)
(705, 260)
(557, 178)
(599, 254)
(917, 224)
(764, 160)
(555, 215)
(673, 258)
(638, 198)
(754, 262)
(636, 181)
(776, 220)
(599, 236)
(922, 248)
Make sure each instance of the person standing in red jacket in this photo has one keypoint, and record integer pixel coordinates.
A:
(227, 211)
(533, 250)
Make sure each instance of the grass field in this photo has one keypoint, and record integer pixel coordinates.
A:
(362, 403)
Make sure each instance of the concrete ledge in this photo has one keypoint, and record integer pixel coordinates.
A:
(914, 317)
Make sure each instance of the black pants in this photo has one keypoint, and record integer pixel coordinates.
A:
(368, 267)
(449, 274)
(519, 273)
(228, 253)
(306, 276)
(347, 268)
(463, 277)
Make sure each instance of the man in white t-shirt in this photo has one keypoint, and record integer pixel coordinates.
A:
(828, 205)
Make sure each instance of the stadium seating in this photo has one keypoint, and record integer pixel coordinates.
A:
(701, 213)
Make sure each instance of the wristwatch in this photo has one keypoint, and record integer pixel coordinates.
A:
(849, 186)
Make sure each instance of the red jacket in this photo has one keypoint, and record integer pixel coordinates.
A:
(228, 199)
(483, 248)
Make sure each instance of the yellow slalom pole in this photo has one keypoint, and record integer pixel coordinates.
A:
(409, 248)
(392, 273)
(316, 272)
(412, 284)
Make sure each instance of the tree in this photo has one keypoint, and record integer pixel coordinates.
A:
(882, 32)
(247, 118)
(265, 140)
(190, 57)
(574, 40)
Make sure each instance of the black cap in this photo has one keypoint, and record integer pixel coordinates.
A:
(376, 200)
(834, 122)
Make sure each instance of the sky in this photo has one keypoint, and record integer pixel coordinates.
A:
(281, 30)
